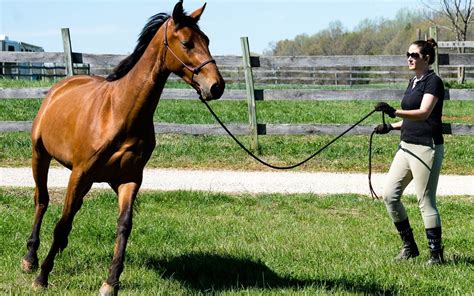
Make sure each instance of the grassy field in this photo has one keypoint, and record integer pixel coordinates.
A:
(190, 243)
(14, 83)
(198, 243)
(349, 154)
(189, 111)
(309, 112)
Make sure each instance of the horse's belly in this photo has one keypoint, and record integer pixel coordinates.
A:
(56, 134)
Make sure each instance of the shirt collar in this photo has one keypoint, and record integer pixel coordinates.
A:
(416, 80)
(429, 73)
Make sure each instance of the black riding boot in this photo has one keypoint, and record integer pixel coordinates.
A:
(409, 249)
(435, 245)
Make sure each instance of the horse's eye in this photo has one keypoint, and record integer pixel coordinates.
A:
(187, 44)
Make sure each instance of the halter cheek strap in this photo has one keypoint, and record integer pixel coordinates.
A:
(194, 70)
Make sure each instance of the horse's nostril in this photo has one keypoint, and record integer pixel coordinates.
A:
(216, 90)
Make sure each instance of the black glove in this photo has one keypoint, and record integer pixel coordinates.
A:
(386, 108)
(383, 128)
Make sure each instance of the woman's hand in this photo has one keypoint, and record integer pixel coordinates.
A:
(386, 108)
(383, 128)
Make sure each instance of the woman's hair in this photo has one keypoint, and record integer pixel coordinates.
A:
(427, 48)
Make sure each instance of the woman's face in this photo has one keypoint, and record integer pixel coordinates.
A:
(416, 61)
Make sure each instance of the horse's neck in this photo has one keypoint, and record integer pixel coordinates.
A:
(141, 88)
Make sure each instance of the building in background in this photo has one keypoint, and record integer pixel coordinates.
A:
(19, 70)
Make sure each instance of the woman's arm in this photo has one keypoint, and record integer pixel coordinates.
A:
(427, 105)
(397, 125)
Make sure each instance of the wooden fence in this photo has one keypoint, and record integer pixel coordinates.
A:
(260, 67)
(315, 70)
(39, 71)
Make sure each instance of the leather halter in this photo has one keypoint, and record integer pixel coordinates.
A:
(194, 70)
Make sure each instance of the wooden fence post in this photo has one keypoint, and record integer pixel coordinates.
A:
(434, 35)
(350, 76)
(67, 52)
(250, 93)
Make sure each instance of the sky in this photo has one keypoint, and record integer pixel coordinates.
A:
(112, 27)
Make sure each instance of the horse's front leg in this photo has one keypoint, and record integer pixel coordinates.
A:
(127, 193)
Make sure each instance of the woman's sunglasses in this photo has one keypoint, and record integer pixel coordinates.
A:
(414, 55)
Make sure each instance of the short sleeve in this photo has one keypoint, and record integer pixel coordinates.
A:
(435, 87)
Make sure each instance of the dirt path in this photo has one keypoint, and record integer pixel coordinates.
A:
(247, 182)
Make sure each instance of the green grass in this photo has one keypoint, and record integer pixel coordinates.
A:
(456, 85)
(194, 243)
(20, 83)
(300, 112)
(304, 112)
(349, 154)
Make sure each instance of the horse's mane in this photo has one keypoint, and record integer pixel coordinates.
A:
(147, 34)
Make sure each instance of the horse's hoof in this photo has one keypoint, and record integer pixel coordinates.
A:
(39, 286)
(28, 266)
(108, 290)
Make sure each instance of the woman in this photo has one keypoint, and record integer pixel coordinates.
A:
(420, 152)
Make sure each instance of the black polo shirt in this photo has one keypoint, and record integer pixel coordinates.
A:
(428, 131)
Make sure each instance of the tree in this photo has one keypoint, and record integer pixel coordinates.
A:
(371, 37)
(460, 16)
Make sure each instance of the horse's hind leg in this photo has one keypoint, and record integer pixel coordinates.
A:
(78, 187)
(127, 193)
(40, 166)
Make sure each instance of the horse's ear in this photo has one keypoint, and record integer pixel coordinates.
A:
(178, 12)
(196, 15)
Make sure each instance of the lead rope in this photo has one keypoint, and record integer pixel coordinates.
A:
(371, 188)
(275, 166)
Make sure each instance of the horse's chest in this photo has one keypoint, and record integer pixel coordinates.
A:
(122, 161)
(132, 153)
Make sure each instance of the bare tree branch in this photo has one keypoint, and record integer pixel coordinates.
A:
(459, 13)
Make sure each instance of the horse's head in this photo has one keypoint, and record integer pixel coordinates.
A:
(188, 53)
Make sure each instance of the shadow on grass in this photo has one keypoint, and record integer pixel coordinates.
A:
(208, 272)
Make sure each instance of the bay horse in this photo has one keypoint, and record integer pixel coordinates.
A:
(102, 129)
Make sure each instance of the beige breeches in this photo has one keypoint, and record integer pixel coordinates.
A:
(419, 163)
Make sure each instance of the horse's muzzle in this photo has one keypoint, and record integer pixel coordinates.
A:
(214, 91)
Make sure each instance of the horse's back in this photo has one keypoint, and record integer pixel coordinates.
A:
(69, 88)
(65, 98)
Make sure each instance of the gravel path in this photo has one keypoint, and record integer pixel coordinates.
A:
(247, 182)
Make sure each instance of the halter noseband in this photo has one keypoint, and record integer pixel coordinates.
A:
(194, 70)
